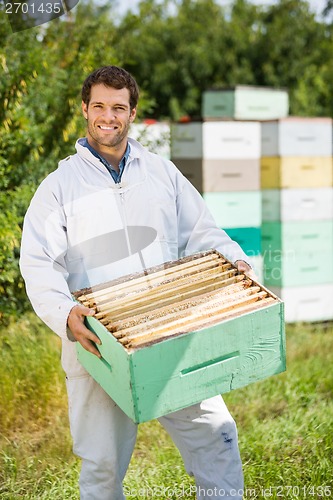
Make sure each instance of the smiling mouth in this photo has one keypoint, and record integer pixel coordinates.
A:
(107, 128)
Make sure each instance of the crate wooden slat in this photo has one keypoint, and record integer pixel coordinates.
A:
(203, 330)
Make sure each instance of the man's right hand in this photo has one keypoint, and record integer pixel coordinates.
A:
(80, 332)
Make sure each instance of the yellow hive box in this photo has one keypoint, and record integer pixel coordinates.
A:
(296, 172)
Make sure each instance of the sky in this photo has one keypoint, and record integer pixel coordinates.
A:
(316, 5)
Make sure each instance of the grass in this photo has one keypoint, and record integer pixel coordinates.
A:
(285, 425)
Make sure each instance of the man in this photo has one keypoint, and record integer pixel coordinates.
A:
(111, 209)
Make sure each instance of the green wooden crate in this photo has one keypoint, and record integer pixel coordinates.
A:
(179, 372)
(163, 377)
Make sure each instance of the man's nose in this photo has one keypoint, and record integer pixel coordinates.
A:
(109, 114)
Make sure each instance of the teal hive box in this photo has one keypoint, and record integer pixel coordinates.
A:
(248, 238)
(163, 376)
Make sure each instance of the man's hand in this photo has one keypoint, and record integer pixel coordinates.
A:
(80, 332)
(244, 267)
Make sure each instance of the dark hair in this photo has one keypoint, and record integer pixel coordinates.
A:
(111, 76)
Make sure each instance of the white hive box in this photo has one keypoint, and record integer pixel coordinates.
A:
(307, 303)
(297, 204)
(231, 139)
(297, 136)
(216, 140)
(154, 136)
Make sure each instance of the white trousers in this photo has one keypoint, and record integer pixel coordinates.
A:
(104, 438)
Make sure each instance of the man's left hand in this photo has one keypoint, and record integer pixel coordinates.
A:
(245, 268)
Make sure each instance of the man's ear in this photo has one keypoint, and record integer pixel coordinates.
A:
(84, 110)
(132, 115)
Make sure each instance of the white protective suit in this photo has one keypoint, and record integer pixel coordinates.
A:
(82, 229)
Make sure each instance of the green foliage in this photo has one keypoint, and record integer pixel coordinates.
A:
(293, 47)
(172, 53)
(178, 49)
(284, 425)
(13, 205)
(31, 382)
(40, 119)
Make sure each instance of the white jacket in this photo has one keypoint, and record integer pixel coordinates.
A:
(82, 228)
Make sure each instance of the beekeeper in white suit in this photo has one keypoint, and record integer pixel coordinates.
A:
(111, 209)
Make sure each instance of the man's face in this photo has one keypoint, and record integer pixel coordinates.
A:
(108, 116)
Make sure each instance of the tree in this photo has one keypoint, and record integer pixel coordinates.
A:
(40, 119)
(169, 49)
(178, 49)
(294, 52)
(328, 8)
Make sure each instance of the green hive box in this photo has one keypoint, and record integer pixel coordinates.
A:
(177, 372)
(297, 253)
(245, 103)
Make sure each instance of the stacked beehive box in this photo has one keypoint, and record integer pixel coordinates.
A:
(221, 157)
(154, 135)
(293, 247)
(222, 160)
(297, 211)
(244, 102)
